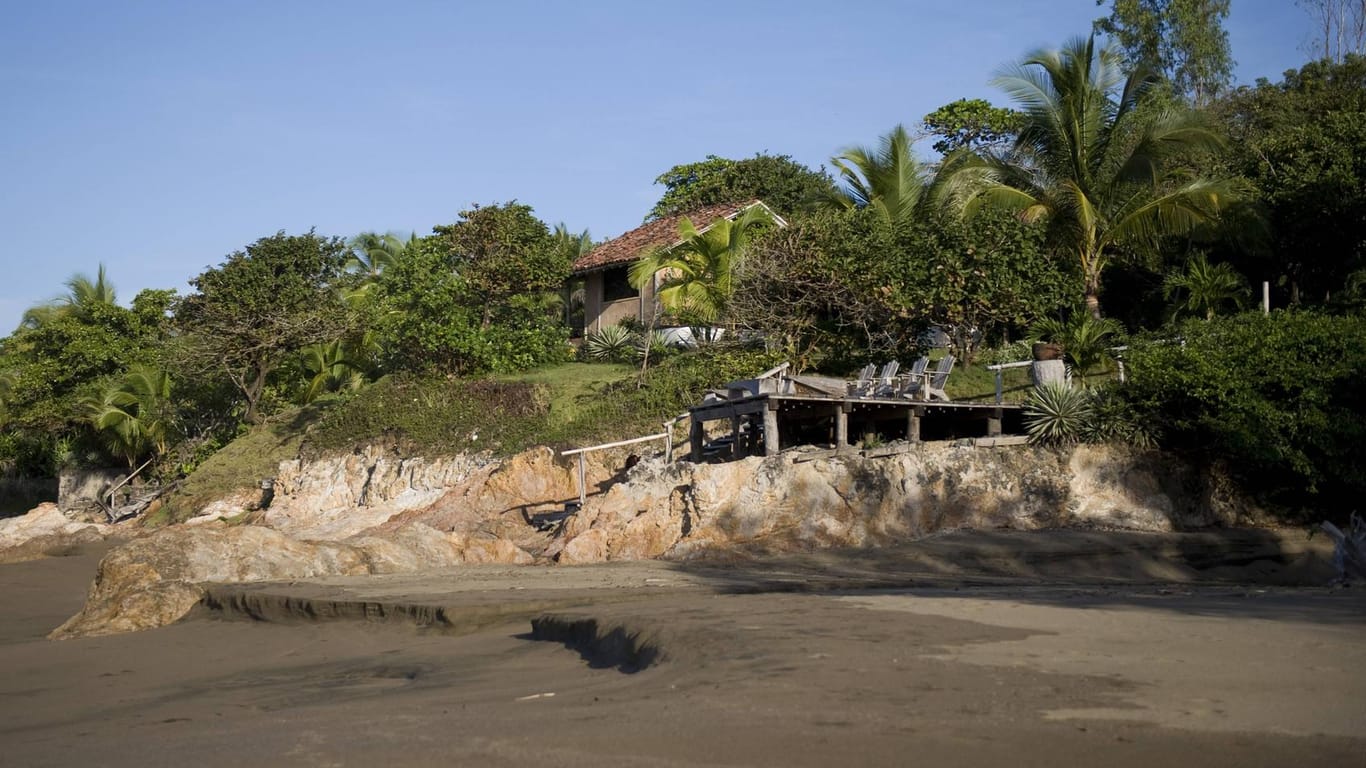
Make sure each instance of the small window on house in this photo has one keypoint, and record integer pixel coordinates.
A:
(616, 285)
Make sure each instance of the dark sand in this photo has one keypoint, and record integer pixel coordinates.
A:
(1005, 674)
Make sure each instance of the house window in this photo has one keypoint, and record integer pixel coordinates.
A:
(616, 285)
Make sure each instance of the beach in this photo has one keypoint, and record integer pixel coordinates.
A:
(681, 668)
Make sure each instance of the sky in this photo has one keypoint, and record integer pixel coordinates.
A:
(157, 138)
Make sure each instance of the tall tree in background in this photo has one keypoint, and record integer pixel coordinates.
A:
(1184, 40)
(972, 124)
(781, 182)
(1101, 172)
(1339, 28)
(82, 294)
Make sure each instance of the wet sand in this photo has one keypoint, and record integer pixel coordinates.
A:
(1026, 673)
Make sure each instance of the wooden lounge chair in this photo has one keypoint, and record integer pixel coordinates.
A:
(875, 382)
(886, 383)
(865, 379)
(931, 384)
(914, 379)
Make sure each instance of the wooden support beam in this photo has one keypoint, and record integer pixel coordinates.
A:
(841, 427)
(737, 447)
(771, 441)
(697, 437)
(994, 423)
(913, 423)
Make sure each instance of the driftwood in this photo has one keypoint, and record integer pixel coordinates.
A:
(1349, 550)
(134, 505)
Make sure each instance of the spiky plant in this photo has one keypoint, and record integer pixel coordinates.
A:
(1203, 288)
(613, 343)
(1057, 414)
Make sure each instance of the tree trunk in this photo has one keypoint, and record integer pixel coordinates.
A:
(1093, 302)
(253, 391)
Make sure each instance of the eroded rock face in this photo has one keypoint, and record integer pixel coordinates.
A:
(156, 580)
(334, 498)
(44, 528)
(778, 504)
(678, 511)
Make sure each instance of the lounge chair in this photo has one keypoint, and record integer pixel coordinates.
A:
(861, 384)
(886, 383)
(931, 384)
(875, 381)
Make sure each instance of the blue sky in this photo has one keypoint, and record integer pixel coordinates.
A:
(158, 137)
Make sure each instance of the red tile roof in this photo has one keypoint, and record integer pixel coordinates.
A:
(659, 233)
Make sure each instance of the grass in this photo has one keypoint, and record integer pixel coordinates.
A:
(570, 385)
(239, 465)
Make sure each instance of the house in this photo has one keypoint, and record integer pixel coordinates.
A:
(608, 297)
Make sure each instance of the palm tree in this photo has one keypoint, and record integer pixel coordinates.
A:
(83, 294)
(372, 253)
(694, 277)
(1206, 287)
(887, 178)
(1085, 340)
(330, 367)
(1097, 161)
(135, 414)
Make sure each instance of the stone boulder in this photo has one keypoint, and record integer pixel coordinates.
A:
(43, 529)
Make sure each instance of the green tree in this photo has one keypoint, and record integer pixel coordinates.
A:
(262, 305)
(887, 178)
(1302, 144)
(1203, 288)
(972, 124)
(695, 278)
(784, 184)
(1102, 173)
(502, 251)
(1184, 40)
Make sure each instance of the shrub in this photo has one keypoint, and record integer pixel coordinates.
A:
(1279, 399)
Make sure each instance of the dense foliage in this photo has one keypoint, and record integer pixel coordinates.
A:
(1276, 398)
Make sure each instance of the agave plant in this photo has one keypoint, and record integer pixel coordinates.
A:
(612, 343)
(653, 345)
(1055, 413)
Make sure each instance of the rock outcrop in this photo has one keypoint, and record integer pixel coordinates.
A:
(402, 518)
(783, 503)
(44, 529)
(157, 579)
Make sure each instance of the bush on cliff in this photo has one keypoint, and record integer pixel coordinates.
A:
(1279, 399)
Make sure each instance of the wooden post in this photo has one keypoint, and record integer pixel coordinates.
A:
(913, 425)
(583, 480)
(994, 422)
(737, 447)
(771, 441)
(841, 427)
(696, 438)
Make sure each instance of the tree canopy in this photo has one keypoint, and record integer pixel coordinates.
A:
(1184, 40)
(784, 184)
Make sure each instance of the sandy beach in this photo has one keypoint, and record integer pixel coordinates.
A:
(1024, 671)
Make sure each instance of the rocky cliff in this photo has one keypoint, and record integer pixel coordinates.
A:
(372, 513)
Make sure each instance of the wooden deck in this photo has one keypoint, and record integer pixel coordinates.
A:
(764, 424)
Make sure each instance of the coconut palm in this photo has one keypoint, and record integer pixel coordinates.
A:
(330, 368)
(82, 296)
(372, 253)
(1098, 161)
(134, 415)
(1202, 288)
(887, 178)
(695, 277)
